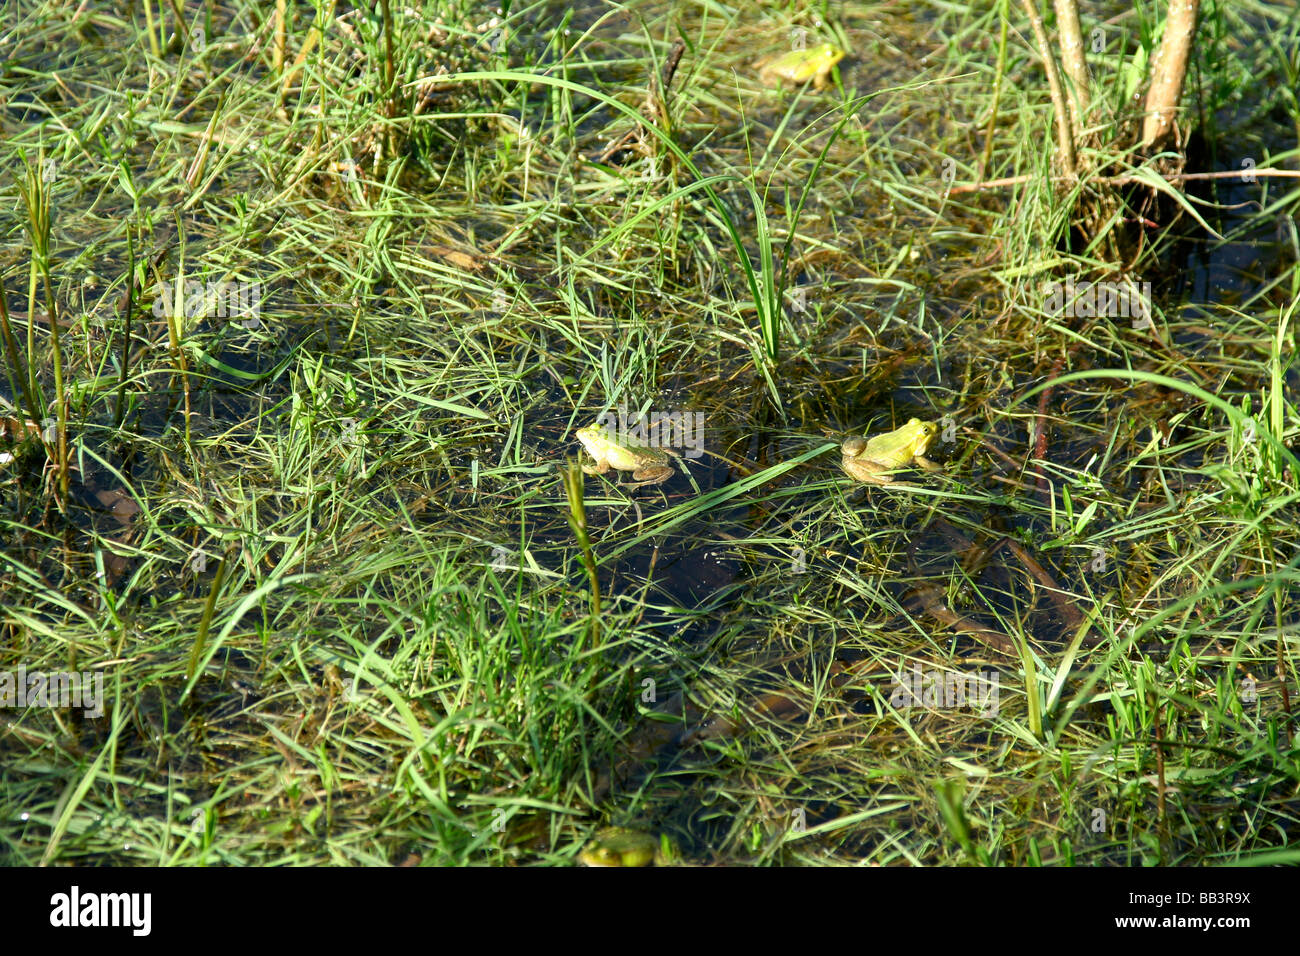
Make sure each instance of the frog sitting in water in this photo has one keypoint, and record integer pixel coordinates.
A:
(872, 460)
(799, 66)
(649, 466)
(619, 846)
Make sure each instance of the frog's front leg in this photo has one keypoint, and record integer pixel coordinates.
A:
(927, 464)
(599, 468)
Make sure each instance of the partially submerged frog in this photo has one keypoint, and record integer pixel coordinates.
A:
(649, 466)
(619, 846)
(799, 66)
(872, 460)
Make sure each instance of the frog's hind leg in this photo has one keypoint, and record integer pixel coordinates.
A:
(652, 475)
(867, 471)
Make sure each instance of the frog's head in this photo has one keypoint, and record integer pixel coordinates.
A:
(618, 846)
(919, 435)
(826, 55)
(601, 856)
(592, 436)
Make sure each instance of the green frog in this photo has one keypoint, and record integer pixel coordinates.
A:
(619, 846)
(799, 66)
(649, 466)
(872, 460)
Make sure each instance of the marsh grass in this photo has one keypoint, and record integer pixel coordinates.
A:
(346, 607)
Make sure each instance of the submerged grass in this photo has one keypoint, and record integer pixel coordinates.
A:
(289, 396)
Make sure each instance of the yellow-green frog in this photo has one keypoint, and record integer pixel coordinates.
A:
(649, 466)
(619, 846)
(872, 460)
(799, 66)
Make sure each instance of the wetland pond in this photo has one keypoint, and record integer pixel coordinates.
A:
(330, 312)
